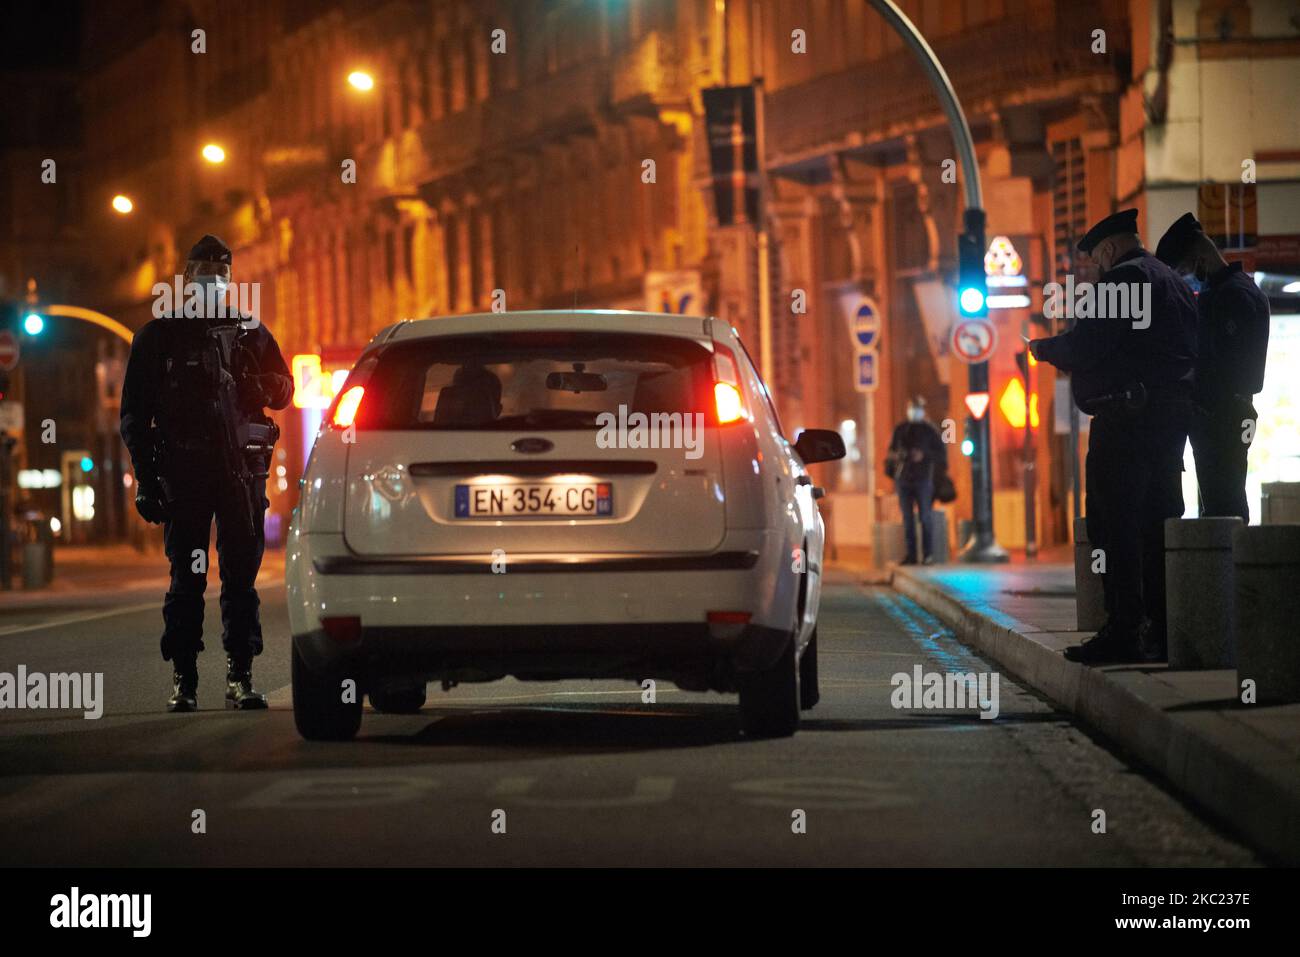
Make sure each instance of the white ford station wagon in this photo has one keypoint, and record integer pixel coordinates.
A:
(556, 495)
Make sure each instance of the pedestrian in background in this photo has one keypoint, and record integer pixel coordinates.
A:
(1232, 337)
(918, 463)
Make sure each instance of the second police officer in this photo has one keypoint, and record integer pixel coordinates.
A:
(1233, 345)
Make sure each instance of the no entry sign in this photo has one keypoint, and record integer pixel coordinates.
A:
(8, 351)
(973, 340)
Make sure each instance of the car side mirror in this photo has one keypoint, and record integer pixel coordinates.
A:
(819, 445)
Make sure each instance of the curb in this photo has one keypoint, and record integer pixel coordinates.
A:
(1247, 782)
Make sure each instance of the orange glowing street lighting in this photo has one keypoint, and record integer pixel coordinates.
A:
(122, 204)
(214, 154)
(361, 80)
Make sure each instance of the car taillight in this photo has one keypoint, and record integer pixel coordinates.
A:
(345, 411)
(727, 397)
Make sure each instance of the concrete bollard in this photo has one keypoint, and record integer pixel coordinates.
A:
(1279, 503)
(1199, 592)
(939, 528)
(887, 543)
(1267, 566)
(1089, 597)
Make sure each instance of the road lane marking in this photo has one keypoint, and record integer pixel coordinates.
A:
(335, 791)
(654, 789)
(77, 619)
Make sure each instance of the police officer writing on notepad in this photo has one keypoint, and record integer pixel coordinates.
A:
(1133, 375)
(1232, 338)
(193, 399)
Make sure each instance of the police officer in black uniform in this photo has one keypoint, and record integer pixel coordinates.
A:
(167, 425)
(1232, 334)
(1136, 383)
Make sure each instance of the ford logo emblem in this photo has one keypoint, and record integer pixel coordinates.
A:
(532, 446)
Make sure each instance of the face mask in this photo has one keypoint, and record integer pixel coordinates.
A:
(915, 415)
(1193, 281)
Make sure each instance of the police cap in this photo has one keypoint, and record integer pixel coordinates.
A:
(1177, 240)
(210, 249)
(1125, 222)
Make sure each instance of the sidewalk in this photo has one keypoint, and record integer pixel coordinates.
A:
(1239, 762)
(89, 573)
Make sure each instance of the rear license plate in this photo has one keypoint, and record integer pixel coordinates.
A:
(526, 500)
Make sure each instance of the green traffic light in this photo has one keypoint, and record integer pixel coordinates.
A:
(972, 300)
(33, 324)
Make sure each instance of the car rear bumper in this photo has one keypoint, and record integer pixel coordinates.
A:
(536, 565)
(685, 653)
(626, 615)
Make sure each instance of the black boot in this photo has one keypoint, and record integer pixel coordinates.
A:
(1152, 642)
(1112, 645)
(239, 687)
(185, 685)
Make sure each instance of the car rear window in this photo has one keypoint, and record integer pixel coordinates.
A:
(531, 381)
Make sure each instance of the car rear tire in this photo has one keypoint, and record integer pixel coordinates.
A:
(399, 700)
(769, 700)
(809, 691)
(318, 707)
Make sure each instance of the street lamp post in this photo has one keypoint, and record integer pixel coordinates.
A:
(984, 548)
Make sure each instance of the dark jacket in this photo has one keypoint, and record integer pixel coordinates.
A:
(162, 402)
(1105, 355)
(1233, 319)
(922, 437)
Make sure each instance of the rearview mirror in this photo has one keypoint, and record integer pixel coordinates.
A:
(819, 445)
(576, 382)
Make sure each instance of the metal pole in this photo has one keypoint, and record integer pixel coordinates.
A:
(1031, 457)
(7, 443)
(984, 548)
(766, 359)
(938, 78)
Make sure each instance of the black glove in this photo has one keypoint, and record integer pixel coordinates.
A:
(252, 397)
(150, 501)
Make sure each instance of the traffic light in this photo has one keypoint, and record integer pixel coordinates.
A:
(33, 323)
(972, 288)
(968, 440)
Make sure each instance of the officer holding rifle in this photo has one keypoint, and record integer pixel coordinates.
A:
(196, 388)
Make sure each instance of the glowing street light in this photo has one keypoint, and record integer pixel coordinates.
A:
(122, 204)
(361, 80)
(214, 154)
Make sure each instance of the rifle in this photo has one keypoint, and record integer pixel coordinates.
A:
(237, 440)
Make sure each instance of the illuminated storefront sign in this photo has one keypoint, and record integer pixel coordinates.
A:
(315, 383)
(1004, 273)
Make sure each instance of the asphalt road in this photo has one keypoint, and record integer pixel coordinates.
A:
(585, 772)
